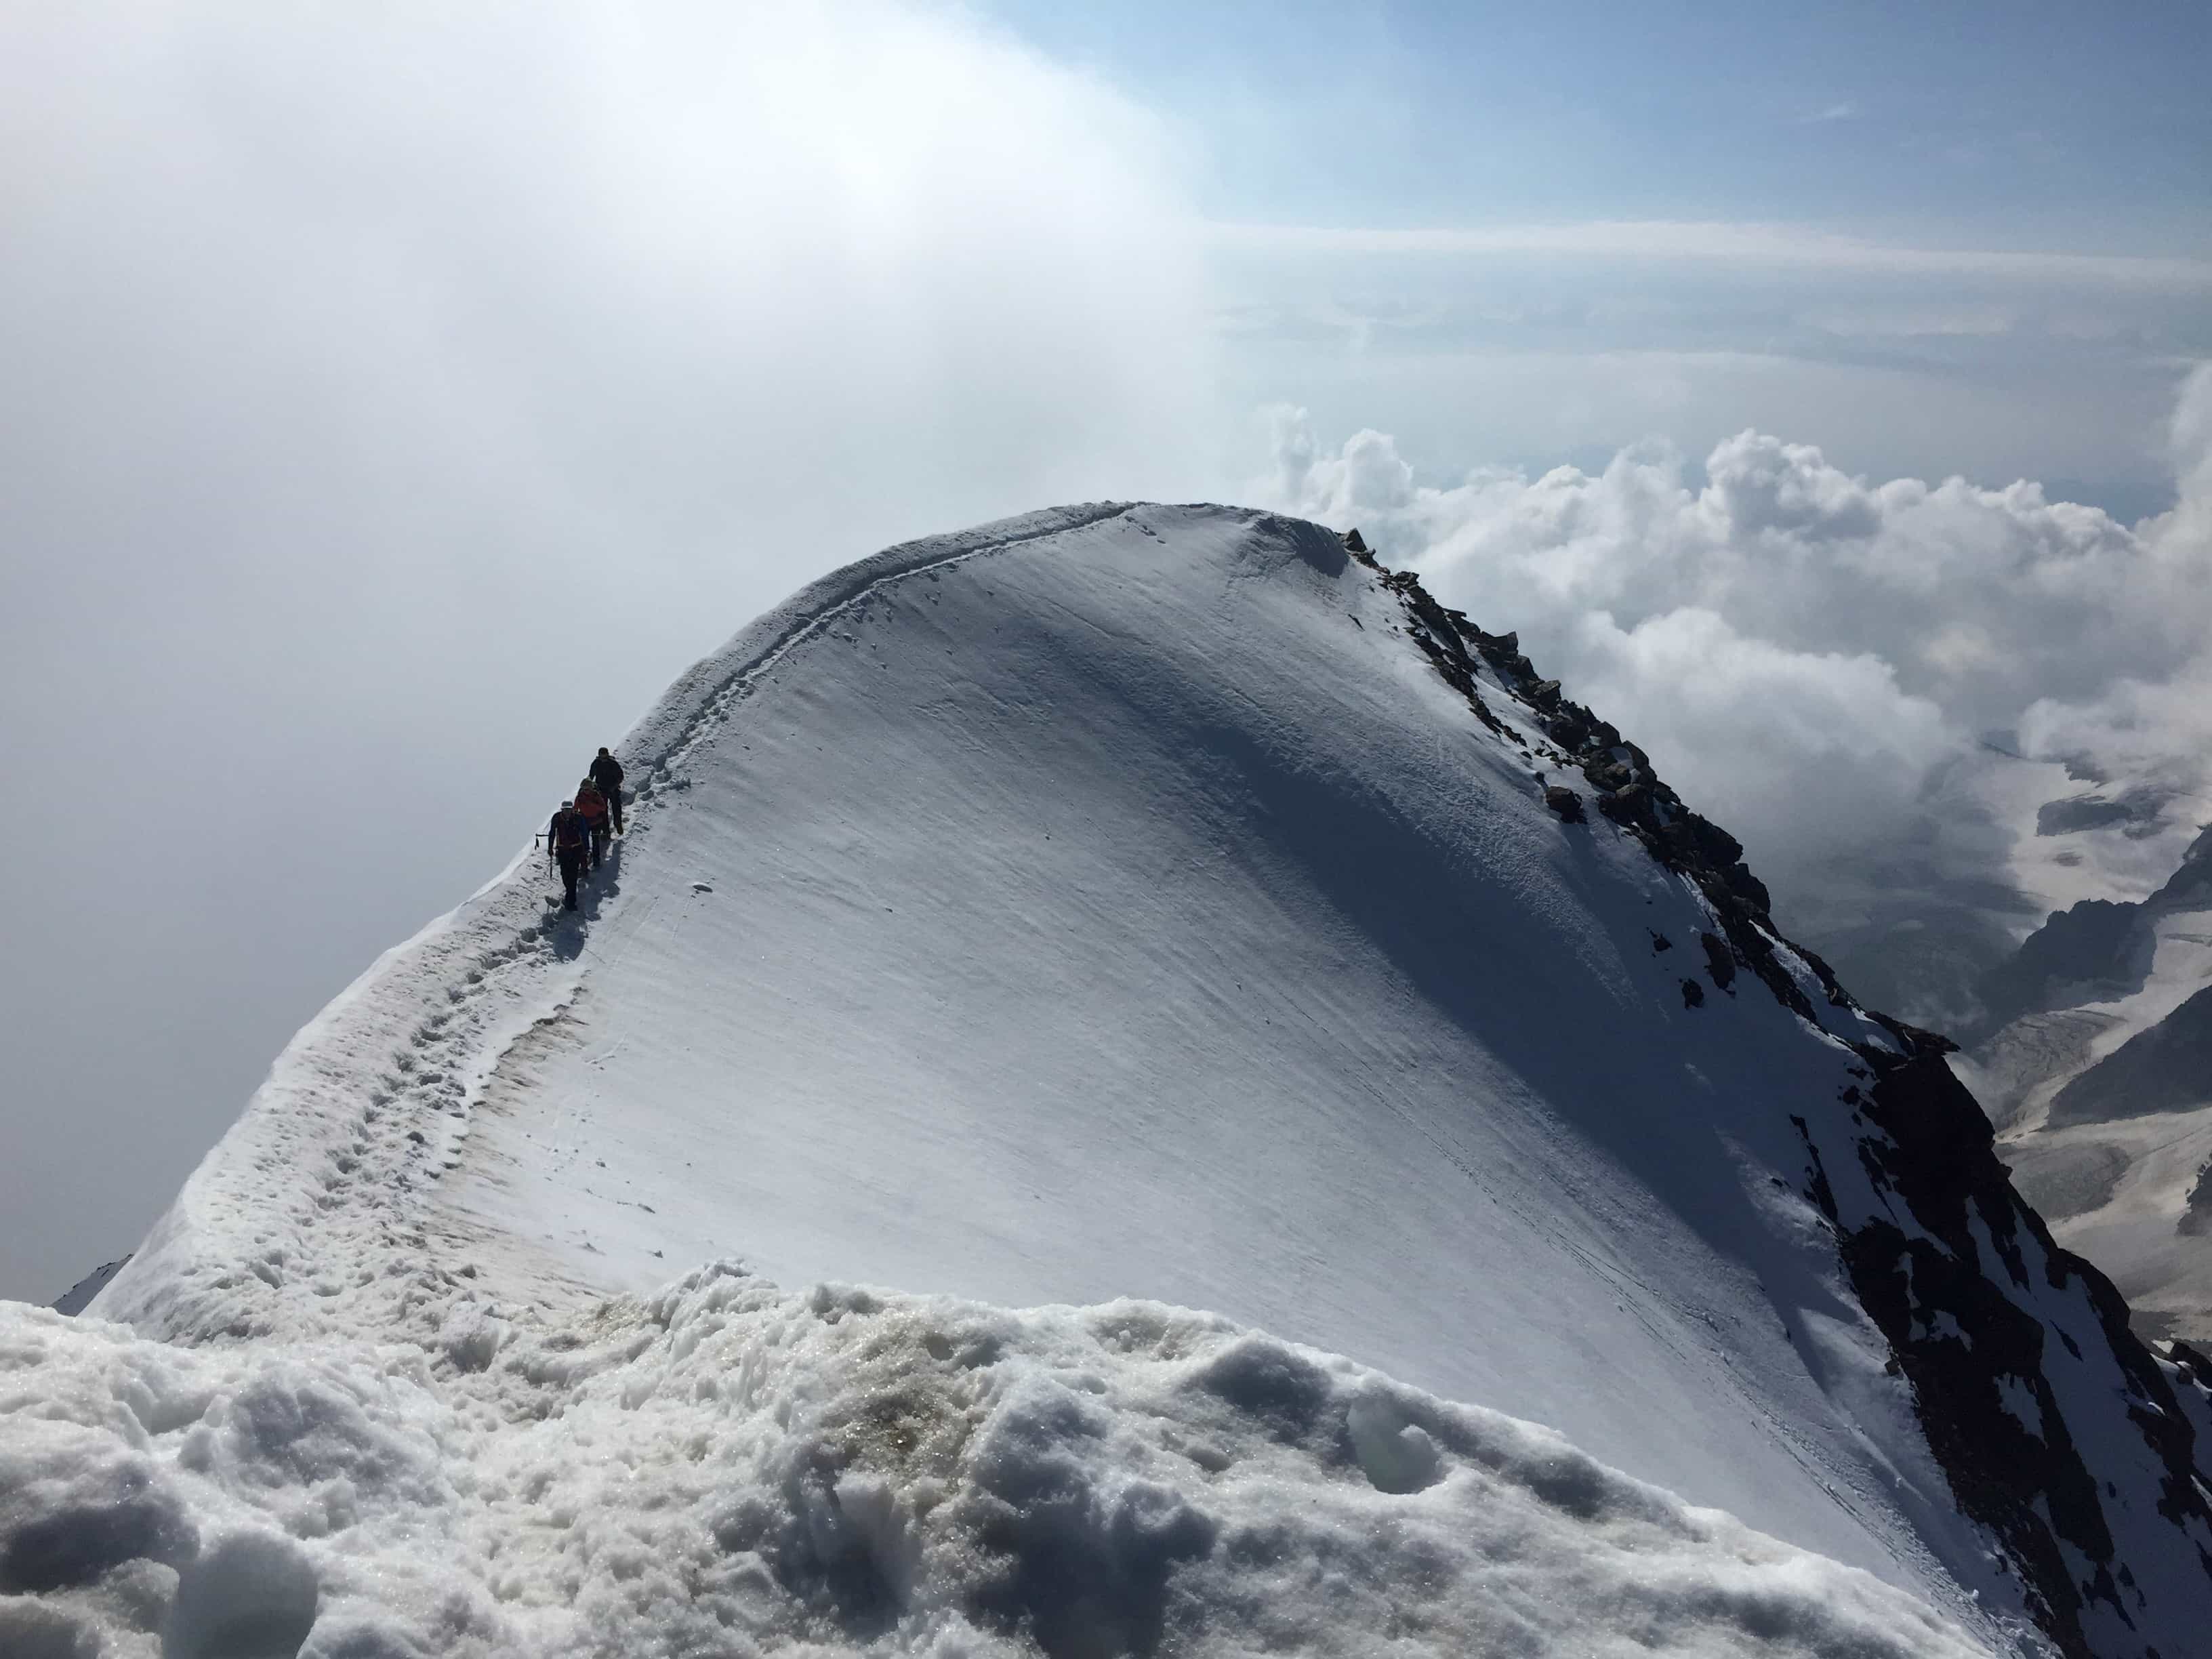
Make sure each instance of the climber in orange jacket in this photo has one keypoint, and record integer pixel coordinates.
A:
(591, 807)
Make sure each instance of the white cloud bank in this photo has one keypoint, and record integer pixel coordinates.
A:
(398, 395)
(1824, 663)
(1726, 242)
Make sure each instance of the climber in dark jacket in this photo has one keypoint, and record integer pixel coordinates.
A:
(568, 838)
(607, 773)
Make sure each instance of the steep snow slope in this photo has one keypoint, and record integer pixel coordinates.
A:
(1158, 903)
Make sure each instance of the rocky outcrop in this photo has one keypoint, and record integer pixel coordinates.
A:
(2197, 1215)
(1981, 1338)
(2163, 1069)
(2189, 887)
(2096, 951)
(1564, 801)
(2020, 1356)
(79, 1296)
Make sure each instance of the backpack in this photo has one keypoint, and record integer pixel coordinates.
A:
(568, 828)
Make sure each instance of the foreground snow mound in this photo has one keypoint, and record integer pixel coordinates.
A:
(725, 1469)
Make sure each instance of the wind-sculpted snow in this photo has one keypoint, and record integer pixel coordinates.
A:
(1144, 903)
(725, 1468)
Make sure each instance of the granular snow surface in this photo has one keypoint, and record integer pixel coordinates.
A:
(724, 1468)
(1108, 914)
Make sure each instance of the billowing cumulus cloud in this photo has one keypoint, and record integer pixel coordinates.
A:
(1844, 671)
(400, 396)
(2148, 727)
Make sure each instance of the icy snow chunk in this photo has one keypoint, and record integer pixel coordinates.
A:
(881, 1516)
(363, 1639)
(472, 1336)
(1397, 1457)
(1089, 1551)
(315, 1431)
(1269, 1382)
(32, 1630)
(73, 1506)
(253, 1597)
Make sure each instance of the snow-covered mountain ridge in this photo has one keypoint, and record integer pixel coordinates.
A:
(1120, 902)
(1933, 1152)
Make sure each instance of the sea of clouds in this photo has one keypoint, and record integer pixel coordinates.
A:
(1876, 685)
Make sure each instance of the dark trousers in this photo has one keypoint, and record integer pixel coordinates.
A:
(571, 861)
(598, 842)
(613, 793)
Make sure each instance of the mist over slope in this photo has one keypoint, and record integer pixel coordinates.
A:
(1123, 903)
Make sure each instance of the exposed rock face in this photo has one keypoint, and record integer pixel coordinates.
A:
(1567, 803)
(2190, 887)
(2197, 1215)
(74, 1299)
(2033, 1486)
(2027, 1376)
(2096, 951)
(1720, 961)
(2161, 1070)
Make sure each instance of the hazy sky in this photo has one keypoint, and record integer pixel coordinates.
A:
(398, 397)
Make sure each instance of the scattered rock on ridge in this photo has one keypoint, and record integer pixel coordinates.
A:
(1974, 1336)
(74, 1299)
(1720, 961)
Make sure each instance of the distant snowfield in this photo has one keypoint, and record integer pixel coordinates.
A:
(1110, 904)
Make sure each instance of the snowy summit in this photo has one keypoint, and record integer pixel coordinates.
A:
(1135, 1086)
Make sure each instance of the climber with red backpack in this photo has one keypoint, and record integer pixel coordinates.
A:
(591, 807)
(568, 838)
